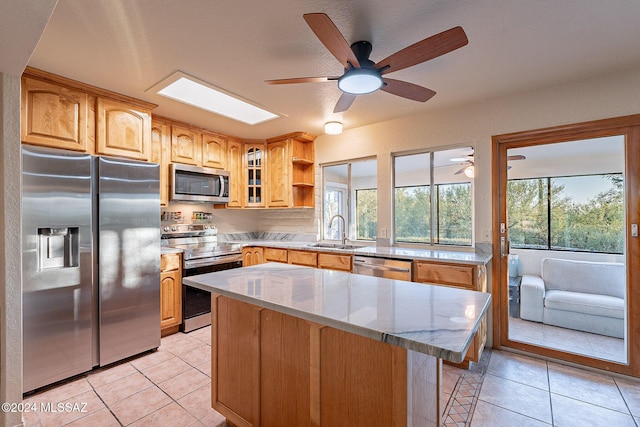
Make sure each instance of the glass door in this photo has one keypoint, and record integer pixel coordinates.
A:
(566, 262)
(564, 211)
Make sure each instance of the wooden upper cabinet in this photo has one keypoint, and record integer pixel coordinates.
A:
(53, 115)
(160, 153)
(214, 151)
(253, 165)
(123, 130)
(278, 188)
(186, 145)
(291, 170)
(234, 166)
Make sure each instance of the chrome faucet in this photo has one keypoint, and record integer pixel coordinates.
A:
(344, 227)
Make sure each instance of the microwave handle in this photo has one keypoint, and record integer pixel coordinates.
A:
(221, 178)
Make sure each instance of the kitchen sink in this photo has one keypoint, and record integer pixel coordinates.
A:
(334, 246)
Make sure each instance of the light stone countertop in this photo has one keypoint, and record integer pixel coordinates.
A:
(458, 257)
(170, 250)
(436, 320)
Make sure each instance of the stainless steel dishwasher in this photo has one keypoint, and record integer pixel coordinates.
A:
(382, 267)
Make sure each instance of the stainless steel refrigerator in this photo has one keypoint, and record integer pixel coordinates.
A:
(90, 262)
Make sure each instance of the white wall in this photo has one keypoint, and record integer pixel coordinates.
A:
(10, 255)
(21, 25)
(588, 99)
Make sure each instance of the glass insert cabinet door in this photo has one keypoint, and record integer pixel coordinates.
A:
(254, 156)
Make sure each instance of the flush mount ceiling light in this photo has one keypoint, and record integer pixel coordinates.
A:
(358, 81)
(189, 90)
(333, 128)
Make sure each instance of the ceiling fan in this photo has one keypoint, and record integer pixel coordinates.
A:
(361, 75)
(469, 166)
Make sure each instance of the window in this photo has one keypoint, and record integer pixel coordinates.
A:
(453, 212)
(366, 214)
(440, 217)
(350, 190)
(582, 213)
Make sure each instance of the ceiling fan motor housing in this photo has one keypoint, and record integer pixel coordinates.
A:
(362, 50)
(366, 79)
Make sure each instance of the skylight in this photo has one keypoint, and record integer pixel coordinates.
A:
(188, 90)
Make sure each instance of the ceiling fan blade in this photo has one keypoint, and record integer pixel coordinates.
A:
(345, 101)
(516, 157)
(407, 90)
(332, 38)
(424, 50)
(460, 170)
(301, 80)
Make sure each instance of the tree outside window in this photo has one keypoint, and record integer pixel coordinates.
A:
(577, 213)
(448, 209)
(366, 214)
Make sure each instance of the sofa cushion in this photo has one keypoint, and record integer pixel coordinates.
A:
(597, 305)
(605, 278)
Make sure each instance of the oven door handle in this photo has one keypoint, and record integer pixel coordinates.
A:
(194, 263)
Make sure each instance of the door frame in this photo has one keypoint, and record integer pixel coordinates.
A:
(629, 126)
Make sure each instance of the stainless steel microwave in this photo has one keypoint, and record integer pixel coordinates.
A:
(195, 184)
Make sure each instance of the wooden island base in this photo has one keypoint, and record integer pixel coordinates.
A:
(274, 369)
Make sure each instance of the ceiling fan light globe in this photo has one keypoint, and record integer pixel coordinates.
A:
(469, 172)
(359, 81)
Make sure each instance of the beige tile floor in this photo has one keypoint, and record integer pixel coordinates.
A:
(172, 387)
(523, 391)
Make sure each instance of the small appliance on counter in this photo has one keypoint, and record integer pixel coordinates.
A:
(90, 262)
(202, 253)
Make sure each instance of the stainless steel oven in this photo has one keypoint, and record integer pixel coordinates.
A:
(196, 303)
(202, 253)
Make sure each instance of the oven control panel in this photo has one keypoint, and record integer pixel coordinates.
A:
(177, 230)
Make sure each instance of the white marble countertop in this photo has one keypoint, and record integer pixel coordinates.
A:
(459, 257)
(170, 250)
(436, 320)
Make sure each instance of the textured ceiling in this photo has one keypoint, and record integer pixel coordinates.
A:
(128, 46)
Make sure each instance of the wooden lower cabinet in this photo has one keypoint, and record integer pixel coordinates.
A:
(272, 369)
(465, 276)
(275, 255)
(306, 258)
(331, 261)
(252, 255)
(170, 293)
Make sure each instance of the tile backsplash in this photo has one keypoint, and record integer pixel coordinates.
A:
(297, 221)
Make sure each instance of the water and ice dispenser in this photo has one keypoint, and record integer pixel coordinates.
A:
(58, 247)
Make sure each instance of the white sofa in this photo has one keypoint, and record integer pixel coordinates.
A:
(587, 296)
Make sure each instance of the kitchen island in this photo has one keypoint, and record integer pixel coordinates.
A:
(302, 346)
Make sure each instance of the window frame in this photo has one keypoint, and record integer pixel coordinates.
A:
(549, 210)
(433, 240)
(349, 204)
